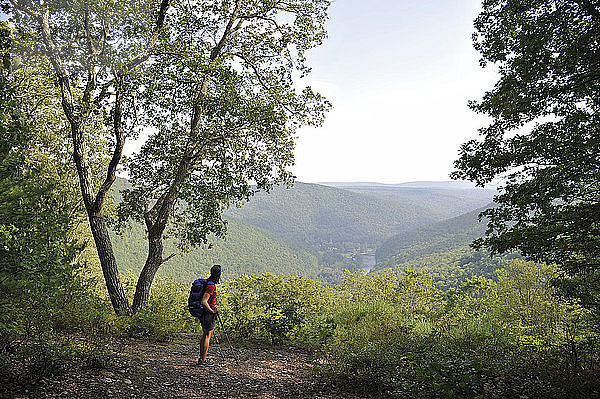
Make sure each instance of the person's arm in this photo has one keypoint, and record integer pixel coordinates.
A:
(205, 299)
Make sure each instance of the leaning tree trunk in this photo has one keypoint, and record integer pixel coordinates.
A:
(153, 262)
(157, 218)
(93, 205)
(109, 265)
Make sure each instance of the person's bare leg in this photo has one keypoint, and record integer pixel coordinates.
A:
(205, 343)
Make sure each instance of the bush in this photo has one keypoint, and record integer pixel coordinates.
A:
(392, 332)
(165, 316)
(276, 309)
(395, 333)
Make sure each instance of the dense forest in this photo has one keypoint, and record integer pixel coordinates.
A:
(245, 250)
(446, 235)
(444, 249)
(320, 231)
(475, 292)
(339, 223)
(315, 216)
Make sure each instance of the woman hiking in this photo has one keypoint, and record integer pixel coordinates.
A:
(208, 318)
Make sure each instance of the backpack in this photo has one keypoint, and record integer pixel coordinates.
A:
(196, 293)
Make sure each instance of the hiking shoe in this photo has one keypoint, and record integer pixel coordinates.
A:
(205, 363)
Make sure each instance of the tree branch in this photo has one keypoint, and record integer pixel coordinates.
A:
(271, 20)
(255, 69)
(63, 79)
(117, 153)
(142, 57)
(162, 13)
(217, 49)
(168, 258)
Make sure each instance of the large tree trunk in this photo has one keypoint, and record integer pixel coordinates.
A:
(109, 265)
(153, 262)
(93, 205)
(158, 216)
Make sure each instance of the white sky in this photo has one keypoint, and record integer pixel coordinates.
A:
(400, 74)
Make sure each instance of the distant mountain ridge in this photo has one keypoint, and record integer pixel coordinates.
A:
(313, 216)
(442, 200)
(448, 184)
(317, 230)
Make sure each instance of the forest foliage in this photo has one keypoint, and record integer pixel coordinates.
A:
(392, 332)
(42, 286)
(542, 140)
(501, 329)
(397, 333)
(443, 249)
(443, 236)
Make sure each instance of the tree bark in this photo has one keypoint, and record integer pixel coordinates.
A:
(153, 262)
(98, 224)
(109, 265)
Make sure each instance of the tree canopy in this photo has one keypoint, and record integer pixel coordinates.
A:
(216, 84)
(543, 141)
(221, 97)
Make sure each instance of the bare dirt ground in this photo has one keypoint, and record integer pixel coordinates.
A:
(169, 370)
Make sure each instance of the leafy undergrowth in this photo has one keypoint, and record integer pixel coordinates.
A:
(387, 334)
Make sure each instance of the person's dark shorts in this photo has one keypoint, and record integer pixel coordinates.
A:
(208, 321)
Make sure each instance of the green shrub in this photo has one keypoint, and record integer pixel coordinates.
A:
(275, 309)
(165, 316)
(395, 333)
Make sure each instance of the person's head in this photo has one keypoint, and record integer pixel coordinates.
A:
(215, 274)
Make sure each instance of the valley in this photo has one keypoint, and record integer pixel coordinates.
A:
(319, 230)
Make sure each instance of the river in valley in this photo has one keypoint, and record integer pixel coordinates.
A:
(368, 262)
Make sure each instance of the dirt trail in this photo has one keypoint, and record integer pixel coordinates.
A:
(147, 370)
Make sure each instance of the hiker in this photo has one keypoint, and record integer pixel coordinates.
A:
(208, 318)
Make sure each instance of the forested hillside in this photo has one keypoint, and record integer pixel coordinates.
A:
(441, 199)
(444, 249)
(316, 216)
(245, 250)
(445, 235)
